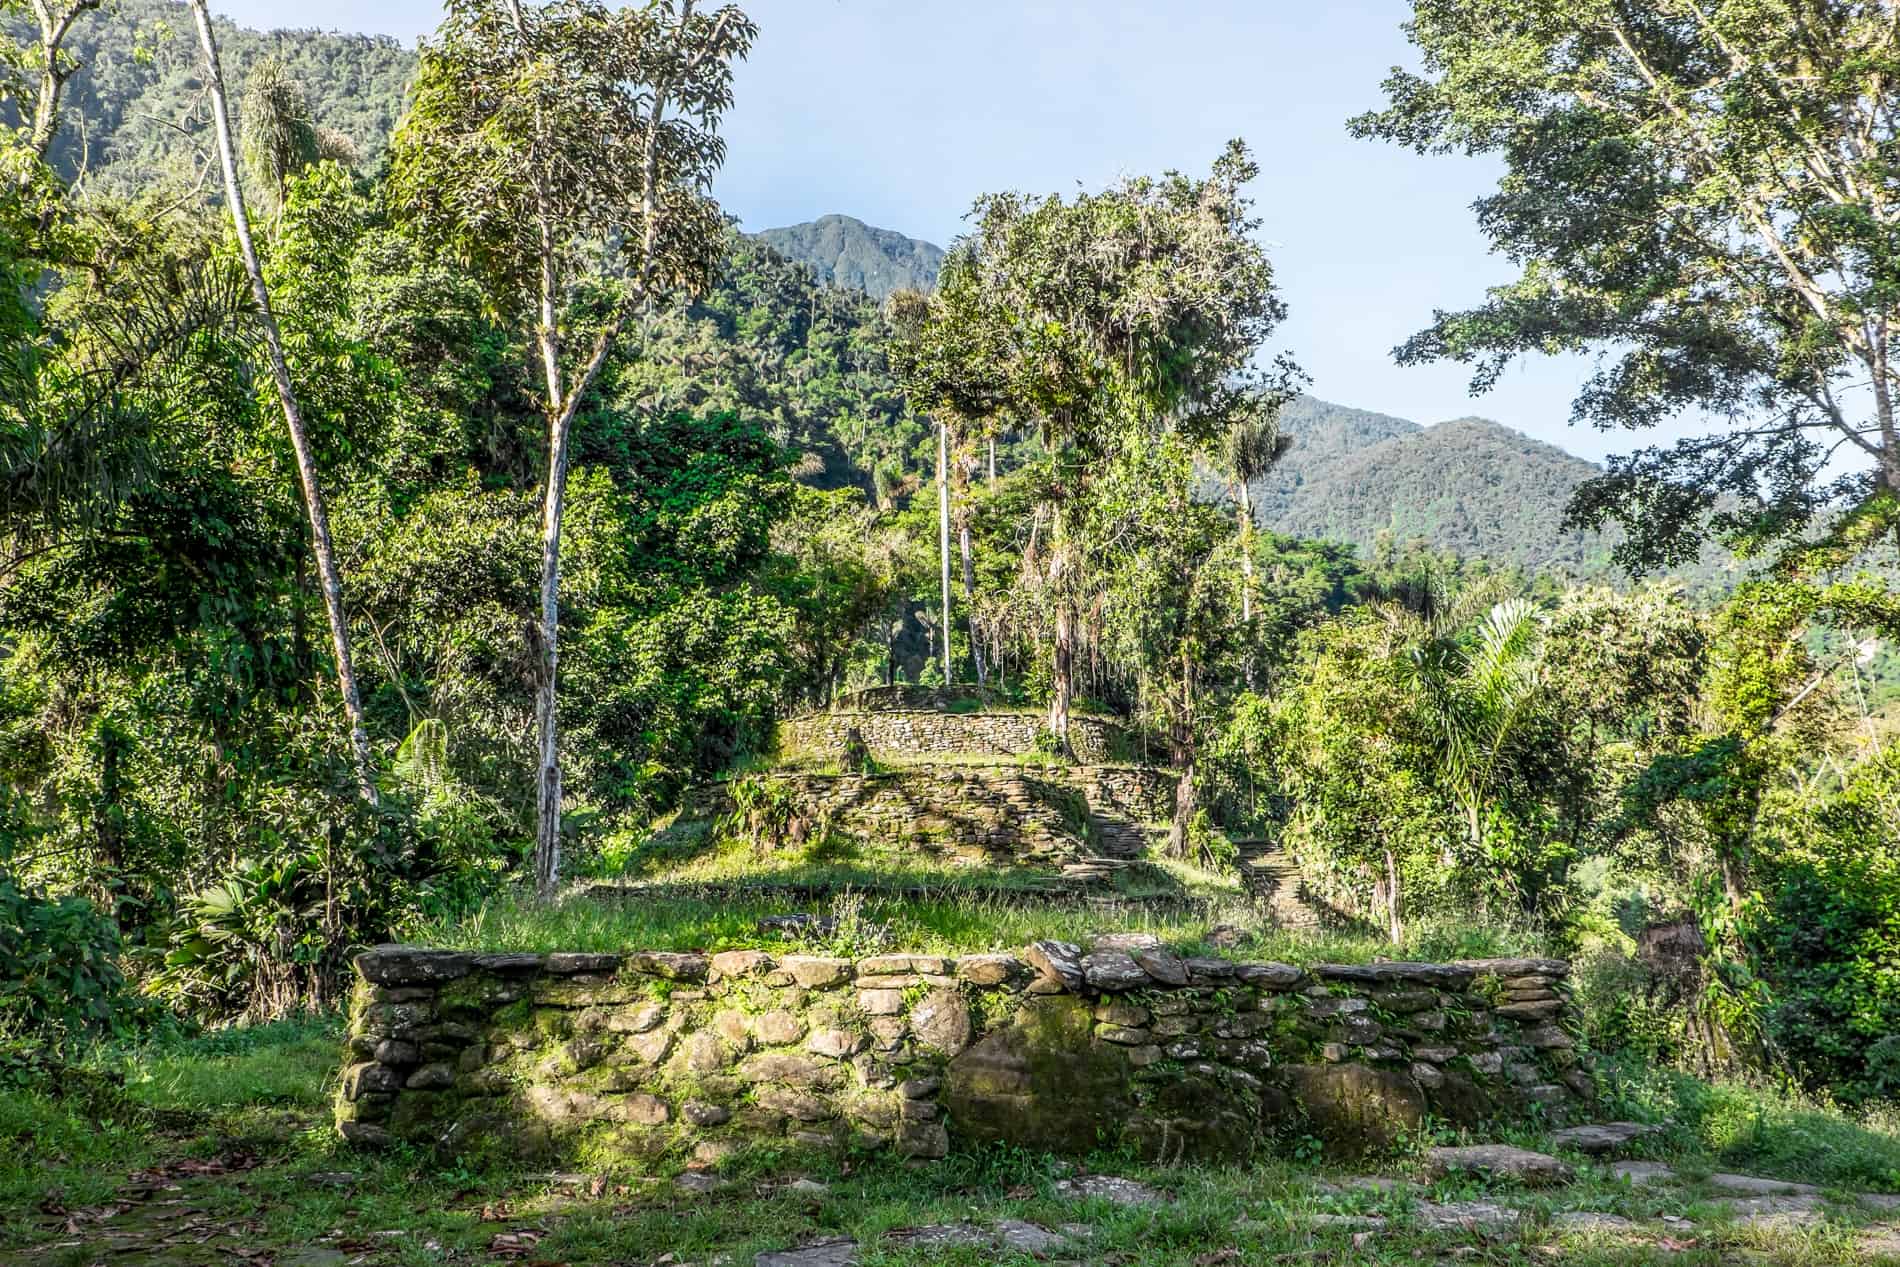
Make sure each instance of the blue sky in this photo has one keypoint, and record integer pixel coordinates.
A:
(901, 112)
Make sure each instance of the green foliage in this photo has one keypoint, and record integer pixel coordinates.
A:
(60, 982)
(1699, 193)
(1826, 934)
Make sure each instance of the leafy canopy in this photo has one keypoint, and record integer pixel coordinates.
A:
(1703, 193)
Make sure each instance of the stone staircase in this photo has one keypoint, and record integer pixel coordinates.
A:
(1273, 879)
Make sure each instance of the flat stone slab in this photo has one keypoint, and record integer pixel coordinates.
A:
(1602, 1139)
(1012, 1234)
(837, 1252)
(1501, 1161)
(1642, 1173)
(1757, 1186)
(1111, 1188)
(1361, 1183)
(1475, 1216)
(1592, 1221)
(1767, 1211)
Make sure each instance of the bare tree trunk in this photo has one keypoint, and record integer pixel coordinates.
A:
(943, 536)
(1246, 554)
(1186, 801)
(1393, 928)
(992, 463)
(327, 573)
(969, 601)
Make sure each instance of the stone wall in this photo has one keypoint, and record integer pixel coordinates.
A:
(880, 699)
(982, 815)
(699, 1057)
(923, 733)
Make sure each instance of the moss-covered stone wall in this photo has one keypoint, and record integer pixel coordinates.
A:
(700, 1056)
(927, 733)
(982, 815)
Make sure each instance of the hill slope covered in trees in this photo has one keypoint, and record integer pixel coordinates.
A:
(135, 114)
(135, 119)
(1470, 485)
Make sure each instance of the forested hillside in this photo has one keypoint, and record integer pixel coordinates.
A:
(1471, 485)
(135, 112)
(850, 253)
(806, 359)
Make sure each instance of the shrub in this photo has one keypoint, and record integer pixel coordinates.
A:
(59, 974)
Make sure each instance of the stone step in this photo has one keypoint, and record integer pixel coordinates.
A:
(1273, 879)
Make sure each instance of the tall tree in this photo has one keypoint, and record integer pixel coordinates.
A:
(328, 574)
(1705, 193)
(1102, 322)
(538, 134)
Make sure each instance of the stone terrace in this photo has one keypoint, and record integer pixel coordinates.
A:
(1127, 1044)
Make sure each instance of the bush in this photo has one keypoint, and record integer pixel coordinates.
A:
(1826, 938)
(59, 975)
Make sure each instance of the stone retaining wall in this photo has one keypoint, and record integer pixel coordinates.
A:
(699, 1057)
(923, 733)
(982, 815)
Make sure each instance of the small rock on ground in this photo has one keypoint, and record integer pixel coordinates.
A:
(1110, 1188)
(1601, 1139)
(1756, 1186)
(1028, 1238)
(1477, 1216)
(1642, 1173)
(1350, 1222)
(1501, 1161)
(837, 1252)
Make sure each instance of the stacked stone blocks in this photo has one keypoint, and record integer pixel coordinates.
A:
(915, 733)
(701, 1056)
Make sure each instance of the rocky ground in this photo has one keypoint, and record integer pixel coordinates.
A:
(1486, 1204)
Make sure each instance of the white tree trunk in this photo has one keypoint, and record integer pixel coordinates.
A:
(943, 536)
(327, 573)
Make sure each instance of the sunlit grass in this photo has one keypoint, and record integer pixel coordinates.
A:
(954, 924)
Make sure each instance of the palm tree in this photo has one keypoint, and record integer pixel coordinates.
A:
(1251, 448)
(1477, 695)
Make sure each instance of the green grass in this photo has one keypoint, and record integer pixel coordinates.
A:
(255, 1096)
(958, 924)
(286, 1064)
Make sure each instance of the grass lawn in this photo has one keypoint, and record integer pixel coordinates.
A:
(977, 921)
(218, 1150)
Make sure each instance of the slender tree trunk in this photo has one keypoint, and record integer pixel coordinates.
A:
(1246, 555)
(992, 463)
(327, 573)
(1062, 669)
(943, 536)
(1393, 928)
(969, 602)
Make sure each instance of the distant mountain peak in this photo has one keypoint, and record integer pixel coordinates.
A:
(848, 253)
